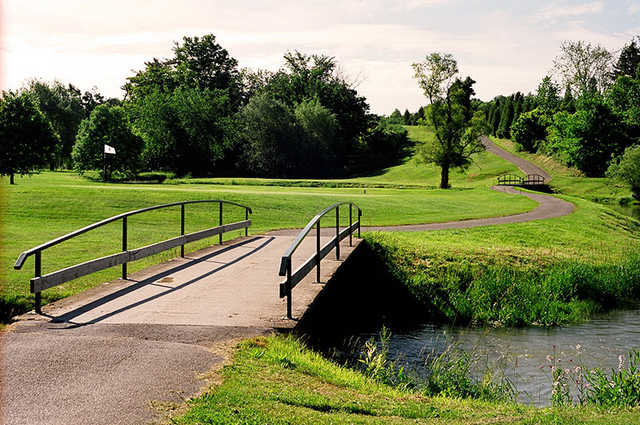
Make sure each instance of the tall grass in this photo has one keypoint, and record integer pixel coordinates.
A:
(448, 373)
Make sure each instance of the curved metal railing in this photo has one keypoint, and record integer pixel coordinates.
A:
(39, 282)
(513, 180)
(533, 179)
(293, 278)
(509, 179)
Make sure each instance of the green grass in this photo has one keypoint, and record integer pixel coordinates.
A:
(277, 380)
(570, 181)
(47, 205)
(408, 174)
(546, 272)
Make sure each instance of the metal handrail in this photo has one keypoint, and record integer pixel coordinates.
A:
(37, 251)
(533, 179)
(305, 268)
(508, 179)
(512, 179)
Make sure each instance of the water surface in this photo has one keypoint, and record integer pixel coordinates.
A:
(526, 354)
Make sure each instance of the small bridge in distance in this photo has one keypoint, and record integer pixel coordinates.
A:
(514, 180)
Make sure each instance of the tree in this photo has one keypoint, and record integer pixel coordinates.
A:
(318, 77)
(624, 99)
(547, 97)
(320, 129)
(63, 107)
(529, 129)
(107, 125)
(187, 130)
(406, 117)
(627, 169)
(506, 118)
(584, 66)
(629, 60)
(457, 129)
(589, 138)
(198, 63)
(396, 117)
(568, 102)
(272, 135)
(27, 139)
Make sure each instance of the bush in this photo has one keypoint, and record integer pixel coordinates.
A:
(529, 129)
(627, 169)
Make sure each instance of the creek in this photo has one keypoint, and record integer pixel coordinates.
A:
(524, 355)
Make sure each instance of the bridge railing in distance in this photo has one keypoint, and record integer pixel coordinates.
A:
(40, 283)
(533, 179)
(513, 180)
(509, 180)
(293, 278)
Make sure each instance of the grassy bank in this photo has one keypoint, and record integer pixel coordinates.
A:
(548, 272)
(277, 380)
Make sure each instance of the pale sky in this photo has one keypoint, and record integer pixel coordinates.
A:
(505, 46)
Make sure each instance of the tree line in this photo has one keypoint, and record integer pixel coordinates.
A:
(587, 117)
(196, 113)
(590, 118)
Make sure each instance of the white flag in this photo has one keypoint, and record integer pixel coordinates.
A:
(109, 149)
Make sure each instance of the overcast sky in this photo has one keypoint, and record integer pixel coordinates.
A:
(505, 46)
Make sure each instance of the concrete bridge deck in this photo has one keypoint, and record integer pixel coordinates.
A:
(114, 354)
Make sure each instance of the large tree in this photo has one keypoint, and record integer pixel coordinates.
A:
(187, 130)
(63, 106)
(584, 66)
(27, 139)
(590, 137)
(198, 63)
(107, 125)
(457, 130)
(318, 77)
(529, 129)
(548, 96)
(629, 60)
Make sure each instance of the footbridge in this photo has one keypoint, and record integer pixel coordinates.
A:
(235, 283)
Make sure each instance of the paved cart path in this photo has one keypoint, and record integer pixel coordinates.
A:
(548, 206)
(127, 351)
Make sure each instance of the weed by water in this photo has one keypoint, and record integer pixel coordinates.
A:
(575, 384)
(619, 388)
(448, 373)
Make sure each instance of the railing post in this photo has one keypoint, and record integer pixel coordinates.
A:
(337, 233)
(246, 217)
(220, 235)
(318, 251)
(359, 215)
(182, 229)
(38, 273)
(289, 314)
(124, 246)
(350, 224)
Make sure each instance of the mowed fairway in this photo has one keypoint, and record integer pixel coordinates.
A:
(48, 205)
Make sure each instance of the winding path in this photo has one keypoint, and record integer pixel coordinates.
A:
(548, 206)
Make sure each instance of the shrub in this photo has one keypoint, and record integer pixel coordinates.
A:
(627, 169)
